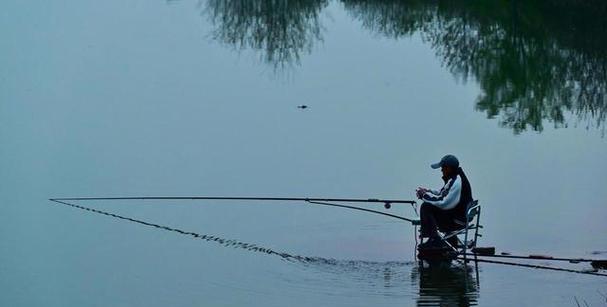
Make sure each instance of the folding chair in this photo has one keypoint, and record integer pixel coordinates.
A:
(473, 216)
(473, 213)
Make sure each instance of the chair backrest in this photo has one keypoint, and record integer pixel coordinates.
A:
(473, 210)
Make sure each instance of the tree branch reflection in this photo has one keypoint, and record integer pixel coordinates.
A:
(282, 30)
(534, 60)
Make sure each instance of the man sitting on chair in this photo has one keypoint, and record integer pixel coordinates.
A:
(443, 209)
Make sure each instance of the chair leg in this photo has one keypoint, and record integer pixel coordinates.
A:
(478, 223)
(465, 244)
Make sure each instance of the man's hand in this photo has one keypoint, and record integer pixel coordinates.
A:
(420, 192)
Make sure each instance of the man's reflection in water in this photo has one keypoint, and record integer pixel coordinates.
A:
(445, 284)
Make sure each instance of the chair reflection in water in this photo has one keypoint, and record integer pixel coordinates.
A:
(447, 284)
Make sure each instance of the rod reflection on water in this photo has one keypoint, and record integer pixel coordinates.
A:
(535, 62)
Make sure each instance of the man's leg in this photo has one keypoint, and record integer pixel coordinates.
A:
(446, 223)
(427, 217)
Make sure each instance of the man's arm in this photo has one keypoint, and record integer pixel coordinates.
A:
(435, 192)
(449, 196)
(421, 191)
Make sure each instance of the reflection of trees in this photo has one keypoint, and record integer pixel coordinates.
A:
(281, 29)
(534, 60)
(391, 17)
(446, 285)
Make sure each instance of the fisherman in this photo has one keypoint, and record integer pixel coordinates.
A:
(444, 210)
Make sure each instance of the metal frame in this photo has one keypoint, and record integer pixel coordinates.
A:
(473, 212)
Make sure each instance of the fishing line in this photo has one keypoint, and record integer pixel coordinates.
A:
(358, 208)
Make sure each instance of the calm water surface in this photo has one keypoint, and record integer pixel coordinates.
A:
(113, 98)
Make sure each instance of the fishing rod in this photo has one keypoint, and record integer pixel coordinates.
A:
(346, 200)
(315, 201)
(253, 247)
(533, 266)
(536, 257)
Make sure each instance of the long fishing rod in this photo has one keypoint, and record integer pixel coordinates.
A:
(533, 266)
(474, 257)
(316, 201)
(346, 200)
(537, 257)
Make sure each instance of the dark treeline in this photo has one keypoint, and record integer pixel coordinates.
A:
(536, 61)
